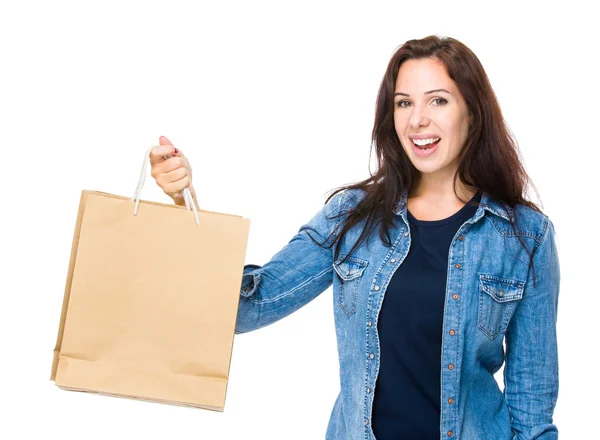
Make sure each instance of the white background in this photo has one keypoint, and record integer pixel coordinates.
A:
(273, 103)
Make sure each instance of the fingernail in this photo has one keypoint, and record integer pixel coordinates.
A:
(176, 151)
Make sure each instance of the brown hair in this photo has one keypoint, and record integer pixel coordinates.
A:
(490, 160)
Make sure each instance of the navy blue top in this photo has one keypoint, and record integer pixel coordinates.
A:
(407, 393)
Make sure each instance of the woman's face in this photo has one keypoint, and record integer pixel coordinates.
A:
(428, 105)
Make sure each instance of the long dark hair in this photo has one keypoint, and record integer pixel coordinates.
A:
(489, 162)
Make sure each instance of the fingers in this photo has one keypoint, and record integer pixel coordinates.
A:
(173, 176)
(171, 164)
(163, 151)
(170, 169)
(174, 187)
(157, 154)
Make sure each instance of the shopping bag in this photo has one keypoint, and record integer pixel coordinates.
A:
(151, 300)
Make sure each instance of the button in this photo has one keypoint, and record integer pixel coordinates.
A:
(371, 356)
(460, 237)
(455, 296)
(452, 332)
(451, 366)
(450, 433)
(501, 293)
(393, 260)
(367, 423)
(376, 287)
(406, 234)
(369, 323)
(450, 400)
(457, 266)
(368, 390)
(247, 289)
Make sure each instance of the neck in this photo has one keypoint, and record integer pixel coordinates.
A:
(441, 190)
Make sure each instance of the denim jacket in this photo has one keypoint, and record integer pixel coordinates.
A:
(490, 297)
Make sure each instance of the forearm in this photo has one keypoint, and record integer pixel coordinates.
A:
(531, 370)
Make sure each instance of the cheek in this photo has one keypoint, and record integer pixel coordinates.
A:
(400, 124)
(459, 136)
(458, 129)
(400, 135)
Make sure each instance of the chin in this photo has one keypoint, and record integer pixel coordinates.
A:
(433, 169)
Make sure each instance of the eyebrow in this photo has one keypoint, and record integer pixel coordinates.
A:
(426, 93)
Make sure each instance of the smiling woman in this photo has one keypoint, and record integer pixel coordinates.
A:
(430, 117)
(432, 269)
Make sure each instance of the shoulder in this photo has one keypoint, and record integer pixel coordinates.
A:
(346, 200)
(528, 222)
(532, 221)
(516, 221)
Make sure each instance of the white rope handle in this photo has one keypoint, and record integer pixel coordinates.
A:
(187, 195)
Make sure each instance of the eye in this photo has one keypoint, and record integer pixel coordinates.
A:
(439, 102)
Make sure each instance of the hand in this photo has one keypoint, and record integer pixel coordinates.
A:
(171, 170)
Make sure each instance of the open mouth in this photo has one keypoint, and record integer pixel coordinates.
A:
(427, 146)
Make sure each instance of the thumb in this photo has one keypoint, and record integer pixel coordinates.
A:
(164, 141)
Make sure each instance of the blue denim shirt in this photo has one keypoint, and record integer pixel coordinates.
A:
(490, 297)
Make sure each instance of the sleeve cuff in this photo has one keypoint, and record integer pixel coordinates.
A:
(250, 279)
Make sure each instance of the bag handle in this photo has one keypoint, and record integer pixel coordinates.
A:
(187, 195)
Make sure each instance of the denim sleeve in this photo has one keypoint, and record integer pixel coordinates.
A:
(294, 276)
(531, 369)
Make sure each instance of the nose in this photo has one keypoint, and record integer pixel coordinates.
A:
(418, 118)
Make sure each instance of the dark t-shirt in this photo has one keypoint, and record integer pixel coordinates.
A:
(407, 393)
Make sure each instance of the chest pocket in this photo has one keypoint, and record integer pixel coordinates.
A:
(349, 273)
(498, 298)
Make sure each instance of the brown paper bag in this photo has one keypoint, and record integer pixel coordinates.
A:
(151, 301)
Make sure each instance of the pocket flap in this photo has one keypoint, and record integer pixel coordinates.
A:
(501, 289)
(352, 268)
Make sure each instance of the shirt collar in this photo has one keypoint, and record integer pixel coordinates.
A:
(487, 203)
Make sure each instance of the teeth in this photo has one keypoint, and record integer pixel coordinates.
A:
(421, 142)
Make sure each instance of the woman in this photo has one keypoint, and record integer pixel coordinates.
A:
(434, 260)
